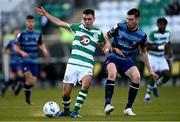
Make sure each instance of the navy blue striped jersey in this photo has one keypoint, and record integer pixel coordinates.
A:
(14, 55)
(127, 41)
(29, 42)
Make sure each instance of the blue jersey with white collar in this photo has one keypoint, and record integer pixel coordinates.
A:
(29, 42)
(15, 57)
(127, 41)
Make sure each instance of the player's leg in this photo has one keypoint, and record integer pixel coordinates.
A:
(134, 75)
(70, 79)
(11, 80)
(165, 76)
(30, 82)
(66, 99)
(30, 73)
(5, 86)
(109, 88)
(20, 82)
(81, 95)
(151, 86)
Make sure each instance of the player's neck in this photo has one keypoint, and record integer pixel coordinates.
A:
(133, 29)
(30, 29)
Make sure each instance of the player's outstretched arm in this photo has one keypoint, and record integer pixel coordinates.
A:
(44, 50)
(53, 19)
(153, 75)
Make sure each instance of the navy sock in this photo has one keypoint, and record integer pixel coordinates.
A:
(5, 86)
(20, 81)
(132, 94)
(109, 90)
(27, 90)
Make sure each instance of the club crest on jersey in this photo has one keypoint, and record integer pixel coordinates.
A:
(85, 40)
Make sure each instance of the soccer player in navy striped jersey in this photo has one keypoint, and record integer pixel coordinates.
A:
(159, 50)
(16, 75)
(27, 45)
(128, 38)
(81, 61)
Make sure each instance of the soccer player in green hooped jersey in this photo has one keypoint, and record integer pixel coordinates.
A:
(159, 48)
(81, 63)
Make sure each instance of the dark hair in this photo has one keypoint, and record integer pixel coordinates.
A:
(29, 17)
(162, 19)
(89, 11)
(134, 11)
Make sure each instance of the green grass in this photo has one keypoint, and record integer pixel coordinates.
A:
(164, 108)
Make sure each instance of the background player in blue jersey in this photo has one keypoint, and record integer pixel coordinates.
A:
(27, 45)
(128, 38)
(16, 75)
(159, 50)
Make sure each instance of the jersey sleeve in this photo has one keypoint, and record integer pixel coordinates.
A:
(151, 38)
(18, 39)
(73, 26)
(101, 38)
(8, 46)
(40, 39)
(169, 40)
(112, 32)
(143, 41)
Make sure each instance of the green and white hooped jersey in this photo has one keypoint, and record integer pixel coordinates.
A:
(157, 38)
(84, 45)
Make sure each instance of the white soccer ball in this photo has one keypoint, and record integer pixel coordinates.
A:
(51, 108)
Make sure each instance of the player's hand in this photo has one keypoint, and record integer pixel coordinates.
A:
(154, 76)
(119, 52)
(41, 11)
(107, 48)
(24, 54)
(161, 47)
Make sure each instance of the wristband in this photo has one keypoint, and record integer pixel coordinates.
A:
(161, 47)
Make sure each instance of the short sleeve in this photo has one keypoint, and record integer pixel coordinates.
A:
(101, 37)
(112, 32)
(73, 26)
(18, 39)
(151, 38)
(143, 42)
(40, 39)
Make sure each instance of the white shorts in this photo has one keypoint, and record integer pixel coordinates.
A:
(76, 73)
(158, 63)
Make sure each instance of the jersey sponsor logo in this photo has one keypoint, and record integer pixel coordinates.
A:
(85, 40)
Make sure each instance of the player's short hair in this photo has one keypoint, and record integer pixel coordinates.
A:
(89, 11)
(162, 19)
(29, 17)
(134, 11)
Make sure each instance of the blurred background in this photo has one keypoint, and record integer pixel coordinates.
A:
(58, 40)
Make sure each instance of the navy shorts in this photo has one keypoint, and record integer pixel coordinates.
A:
(32, 67)
(16, 66)
(122, 64)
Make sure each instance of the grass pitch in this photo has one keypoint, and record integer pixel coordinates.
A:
(164, 108)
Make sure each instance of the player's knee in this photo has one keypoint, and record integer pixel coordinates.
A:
(111, 75)
(66, 93)
(86, 86)
(31, 80)
(136, 79)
